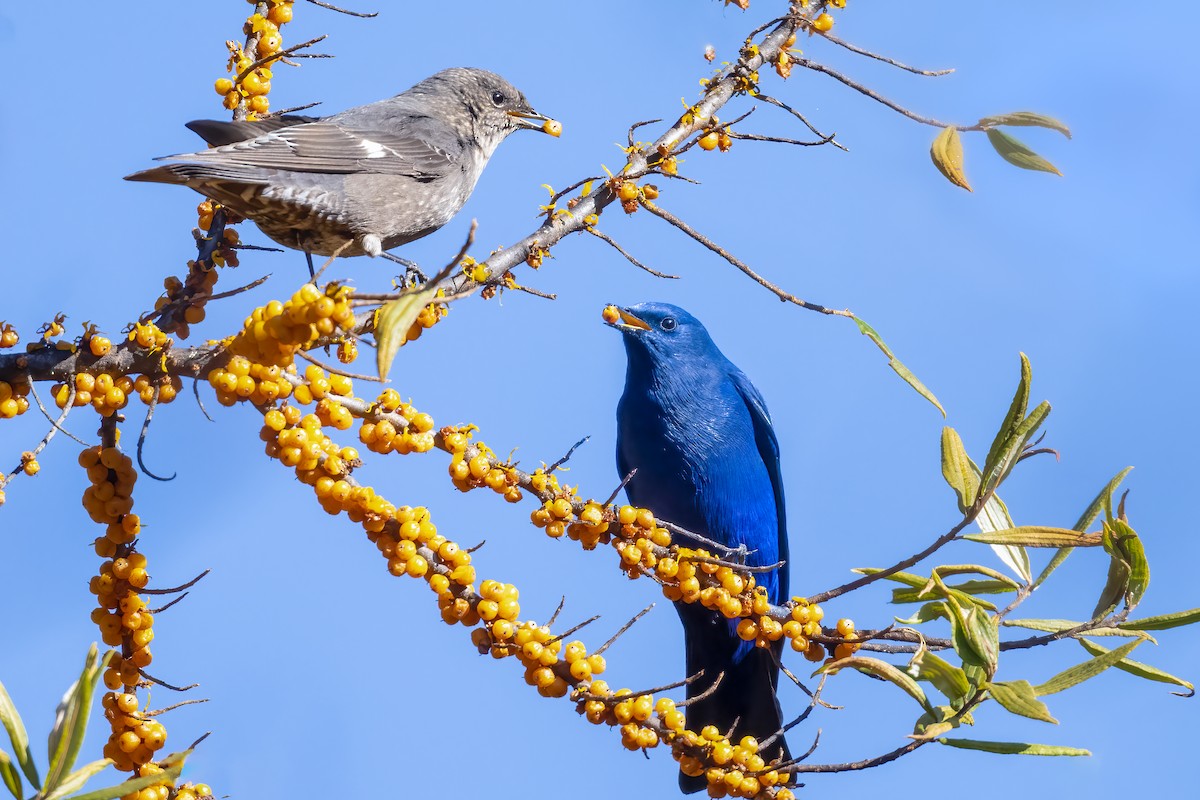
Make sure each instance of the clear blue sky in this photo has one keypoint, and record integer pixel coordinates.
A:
(328, 677)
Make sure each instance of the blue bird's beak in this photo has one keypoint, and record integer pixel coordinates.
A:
(622, 320)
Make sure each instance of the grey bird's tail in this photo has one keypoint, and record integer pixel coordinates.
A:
(745, 694)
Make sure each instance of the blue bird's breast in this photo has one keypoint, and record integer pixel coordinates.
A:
(698, 466)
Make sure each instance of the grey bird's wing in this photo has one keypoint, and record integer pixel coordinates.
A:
(327, 147)
(768, 449)
(222, 132)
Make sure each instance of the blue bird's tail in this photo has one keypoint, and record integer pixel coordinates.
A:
(745, 694)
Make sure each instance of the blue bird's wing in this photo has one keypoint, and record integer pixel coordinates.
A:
(768, 449)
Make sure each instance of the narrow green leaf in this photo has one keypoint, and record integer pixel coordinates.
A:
(1134, 554)
(76, 780)
(926, 613)
(993, 477)
(984, 587)
(947, 154)
(946, 570)
(935, 722)
(1139, 669)
(958, 470)
(19, 738)
(1026, 119)
(172, 765)
(1059, 625)
(1012, 420)
(1162, 622)
(1018, 697)
(1014, 748)
(392, 324)
(1119, 573)
(883, 670)
(1088, 669)
(915, 581)
(947, 678)
(900, 596)
(1037, 536)
(904, 372)
(1017, 153)
(10, 776)
(1093, 510)
(71, 718)
(974, 637)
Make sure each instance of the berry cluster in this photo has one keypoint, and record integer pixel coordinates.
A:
(732, 769)
(263, 352)
(251, 84)
(472, 465)
(381, 434)
(14, 398)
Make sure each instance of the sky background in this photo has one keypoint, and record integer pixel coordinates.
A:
(327, 677)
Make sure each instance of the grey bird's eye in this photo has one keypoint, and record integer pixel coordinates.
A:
(498, 98)
(668, 324)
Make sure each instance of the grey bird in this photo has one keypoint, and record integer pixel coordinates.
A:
(367, 179)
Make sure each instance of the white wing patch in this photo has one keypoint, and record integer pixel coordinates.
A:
(375, 149)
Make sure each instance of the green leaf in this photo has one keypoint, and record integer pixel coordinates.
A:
(1134, 554)
(994, 475)
(947, 678)
(1139, 669)
(900, 596)
(1026, 119)
(895, 363)
(958, 470)
(1059, 625)
(1012, 420)
(19, 738)
(926, 613)
(76, 780)
(947, 154)
(1017, 153)
(392, 323)
(10, 776)
(1119, 574)
(883, 670)
(1036, 536)
(974, 636)
(1162, 622)
(172, 765)
(935, 722)
(984, 587)
(1014, 748)
(1019, 697)
(1088, 669)
(70, 722)
(1084, 522)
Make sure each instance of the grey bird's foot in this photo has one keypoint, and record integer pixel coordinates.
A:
(412, 272)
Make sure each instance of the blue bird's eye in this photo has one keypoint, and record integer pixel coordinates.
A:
(668, 324)
(498, 98)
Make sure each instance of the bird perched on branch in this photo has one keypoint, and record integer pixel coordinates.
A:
(698, 434)
(376, 176)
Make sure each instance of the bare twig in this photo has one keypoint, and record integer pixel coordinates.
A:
(348, 12)
(599, 234)
(741, 265)
(624, 628)
(930, 73)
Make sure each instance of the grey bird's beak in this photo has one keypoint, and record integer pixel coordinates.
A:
(622, 320)
(531, 120)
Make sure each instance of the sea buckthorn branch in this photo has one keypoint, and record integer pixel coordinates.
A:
(587, 208)
(125, 621)
(408, 540)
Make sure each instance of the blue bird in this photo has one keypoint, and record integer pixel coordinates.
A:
(699, 435)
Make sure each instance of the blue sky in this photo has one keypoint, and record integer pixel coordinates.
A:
(328, 676)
